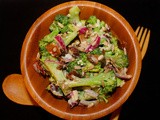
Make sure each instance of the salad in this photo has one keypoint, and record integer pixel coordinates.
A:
(82, 59)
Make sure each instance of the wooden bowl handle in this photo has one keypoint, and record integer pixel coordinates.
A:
(14, 88)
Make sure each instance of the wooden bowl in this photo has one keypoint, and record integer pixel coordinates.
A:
(36, 84)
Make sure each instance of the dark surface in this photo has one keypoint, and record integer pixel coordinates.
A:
(16, 17)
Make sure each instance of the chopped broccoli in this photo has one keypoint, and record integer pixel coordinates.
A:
(70, 67)
(56, 29)
(64, 20)
(86, 65)
(98, 26)
(114, 41)
(74, 15)
(61, 22)
(97, 68)
(92, 20)
(118, 57)
(70, 37)
(102, 24)
(58, 75)
(80, 61)
(106, 81)
(46, 40)
(95, 82)
(96, 51)
(53, 26)
(65, 29)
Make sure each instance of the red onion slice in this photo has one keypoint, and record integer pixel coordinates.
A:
(61, 42)
(83, 30)
(94, 45)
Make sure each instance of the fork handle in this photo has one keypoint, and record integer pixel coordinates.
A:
(115, 115)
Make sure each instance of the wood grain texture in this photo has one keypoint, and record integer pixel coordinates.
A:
(14, 88)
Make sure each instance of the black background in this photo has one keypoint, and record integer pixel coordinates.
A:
(17, 16)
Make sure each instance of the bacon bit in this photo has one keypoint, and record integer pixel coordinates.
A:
(73, 51)
(93, 59)
(39, 69)
(53, 49)
(72, 74)
(61, 66)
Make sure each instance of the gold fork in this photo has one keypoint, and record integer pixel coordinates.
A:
(143, 36)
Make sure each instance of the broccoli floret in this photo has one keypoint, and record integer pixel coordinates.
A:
(97, 68)
(74, 15)
(64, 20)
(65, 29)
(70, 67)
(114, 41)
(92, 20)
(58, 75)
(63, 26)
(118, 57)
(80, 61)
(61, 22)
(104, 84)
(53, 26)
(102, 24)
(96, 51)
(46, 40)
(116, 54)
(56, 29)
(86, 65)
(98, 26)
(121, 59)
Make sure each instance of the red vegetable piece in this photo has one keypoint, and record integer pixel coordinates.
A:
(53, 49)
(94, 45)
(83, 30)
(61, 42)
